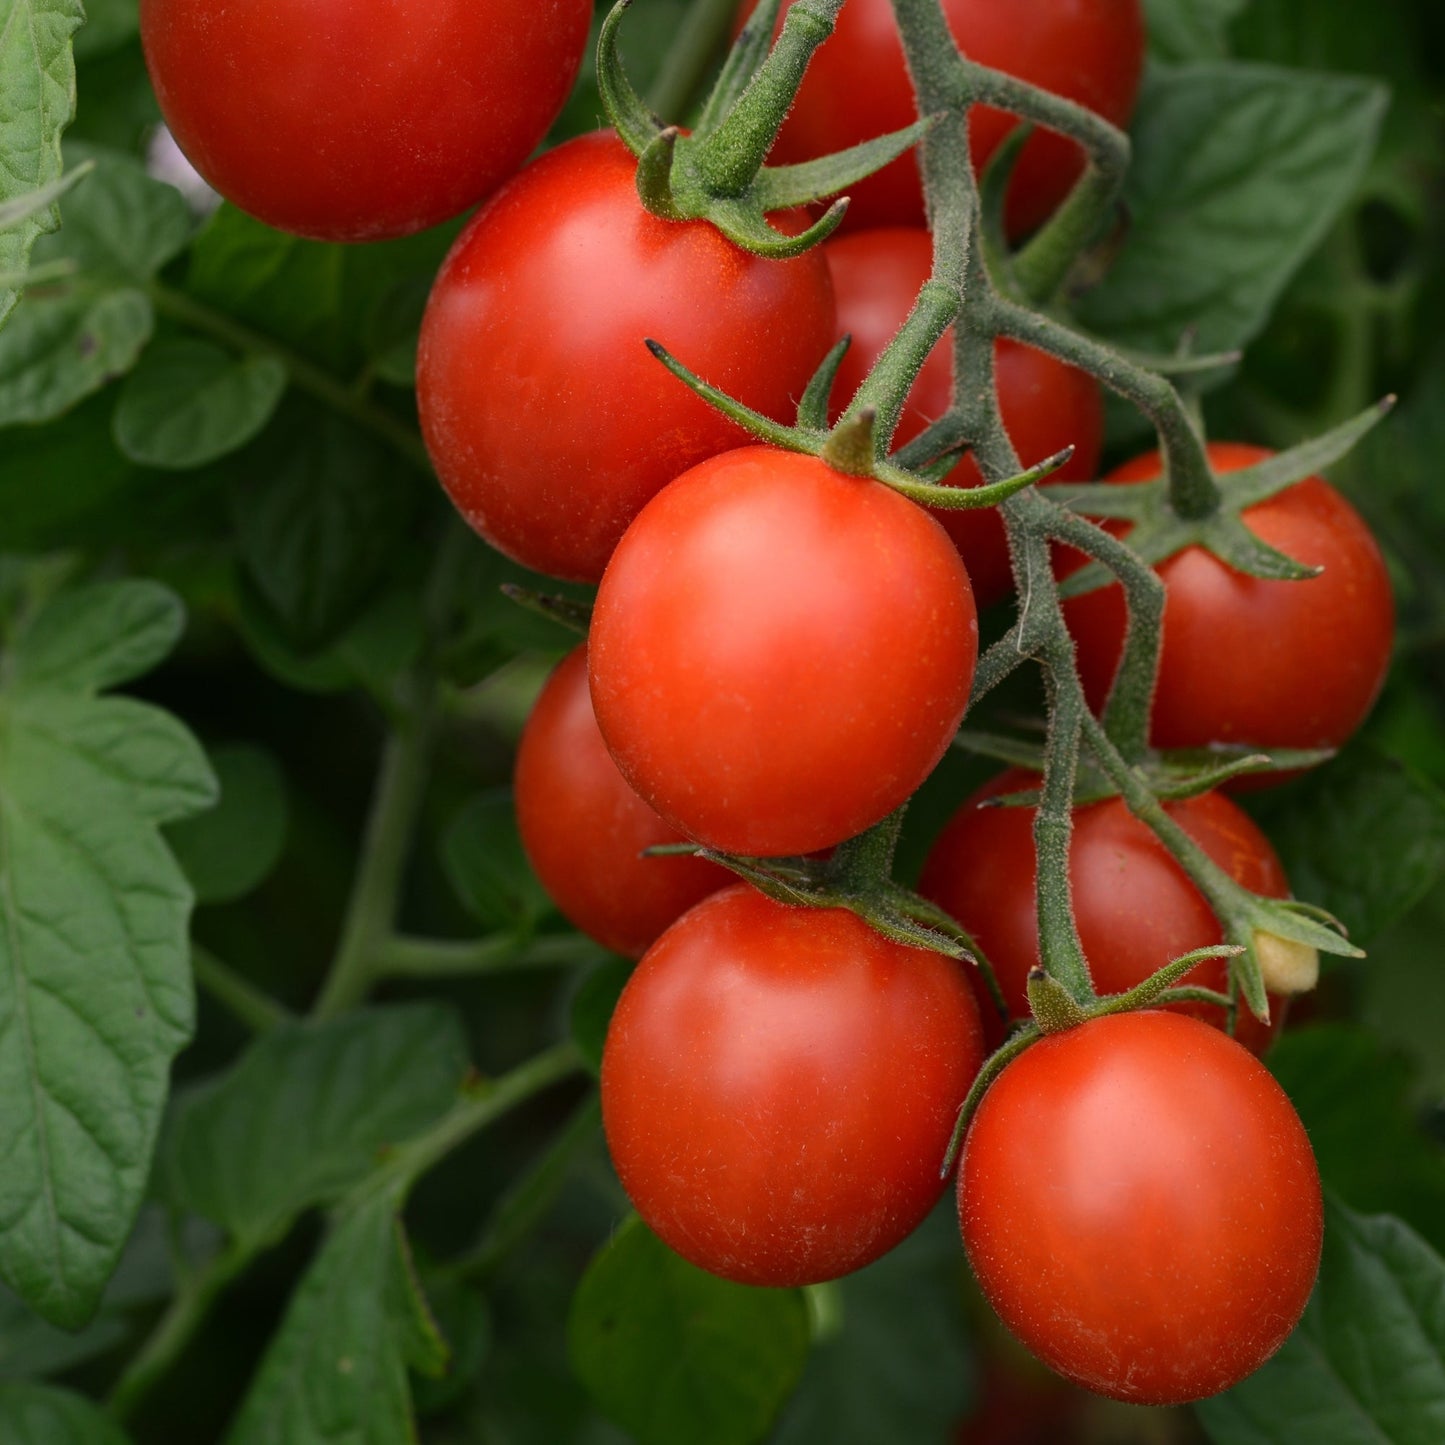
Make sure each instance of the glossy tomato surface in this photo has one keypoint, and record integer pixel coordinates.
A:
(1135, 907)
(1140, 1204)
(1091, 51)
(584, 829)
(779, 1085)
(1046, 404)
(1271, 664)
(357, 120)
(549, 422)
(779, 653)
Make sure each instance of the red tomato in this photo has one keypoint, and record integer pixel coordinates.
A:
(1140, 1204)
(1135, 907)
(857, 87)
(1046, 404)
(779, 1086)
(549, 422)
(1269, 664)
(584, 829)
(780, 653)
(363, 120)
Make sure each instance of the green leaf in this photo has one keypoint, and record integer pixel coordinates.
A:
(1353, 1095)
(483, 857)
(95, 987)
(189, 403)
(672, 1353)
(40, 1415)
(1362, 836)
(895, 1373)
(336, 1373)
(37, 83)
(229, 851)
(318, 513)
(1184, 30)
(108, 25)
(30, 1347)
(1367, 1363)
(1239, 172)
(593, 1006)
(302, 1117)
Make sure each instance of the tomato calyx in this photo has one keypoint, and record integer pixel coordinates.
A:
(717, 173)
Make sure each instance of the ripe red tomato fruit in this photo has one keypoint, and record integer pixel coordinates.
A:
(584, 829)
(361, 121)
(549, 423)
(779, 1085)
(1135, 907)
(857, 87)
(1046, 404)
(1140, 1204)
(780, 653)
(1269, 664)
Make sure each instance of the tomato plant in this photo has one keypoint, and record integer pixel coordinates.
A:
(1248, 660)
(1046, 404)
(1134, 906)
(549, 423)
(779, 1085)
(780, 653)
(585, 830)
(362, 121)
(1141, 1206)
(1091, 51)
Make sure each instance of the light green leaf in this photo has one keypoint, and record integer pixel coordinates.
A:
(95, 987)
(1239, 171)
(336, 1373)
(1367, 1363)
(40, 1415)
(672, 1353)
(304, 1114)
(1183, 30)
(189, 403)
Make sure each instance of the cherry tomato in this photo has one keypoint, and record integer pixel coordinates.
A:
(779, 1085)
(549, 422)
(1046, 404)
(857, 87)
(584, 829)
(364, 120)
(1140, 1204)
(1269, 664)
(780, 653)
(1135, 907)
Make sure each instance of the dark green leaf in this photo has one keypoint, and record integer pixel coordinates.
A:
(1361, 836)
(592, 1008)
(336, 1373)
(1367, 1363)
(1239, 171)
(189, 403)
(305, 1113)
(1184, 30)
(40, 1415)
(108, 24)
(95, 987)
(483, 856)
(673, 1353)
(29, 1347)
(229, 851)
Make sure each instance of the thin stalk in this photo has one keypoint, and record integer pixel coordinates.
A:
(402, 957)
(250, 1005)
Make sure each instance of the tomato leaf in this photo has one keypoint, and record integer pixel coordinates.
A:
(337, 1369)
(1367, 1362)
(593, 1005)
(40, 1415)
(1239, 171)
(303, 1115)
(1184, 30)
(483, 857)
(673, 1353)
(95, 988)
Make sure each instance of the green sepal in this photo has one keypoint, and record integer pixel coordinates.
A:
(851, 447)
(956, 499)
(744, 224)
(813, 408)
(654, 175)
(778, 187)
(567, 611)
(1148, 993)
(626, 111)
(1226, 536)
(762, 427)
(1054, 1008)
(943, 438)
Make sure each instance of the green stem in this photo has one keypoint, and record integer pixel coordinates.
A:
(402, 957)
(253, 1007)
(305, 375)
(691, 56)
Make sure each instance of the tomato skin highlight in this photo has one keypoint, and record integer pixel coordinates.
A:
(780, 654)
(857, 87)
(1140, 1204)
(1135, 907)
(1046, 404)
(362, 120)
(548, 421)
(584, 829)
(779, 1085)
(1250, 661)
